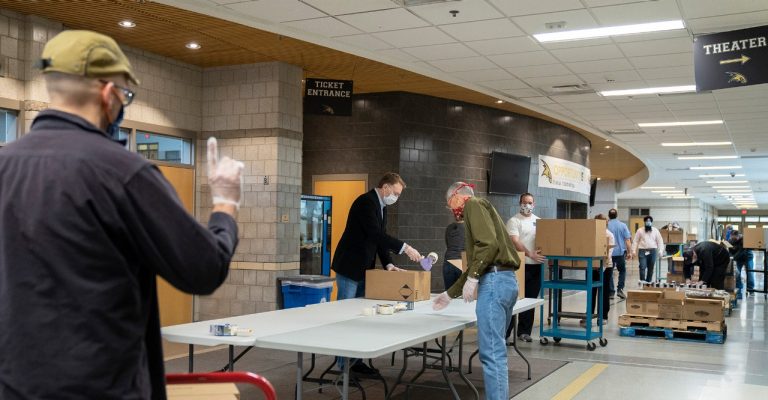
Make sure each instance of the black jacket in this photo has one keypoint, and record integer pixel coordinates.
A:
(712, 259)
(85, 227)
(364, 236)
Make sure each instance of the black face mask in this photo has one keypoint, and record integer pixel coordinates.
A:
(113, 129)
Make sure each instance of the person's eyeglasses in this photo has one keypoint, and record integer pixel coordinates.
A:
(126, 95)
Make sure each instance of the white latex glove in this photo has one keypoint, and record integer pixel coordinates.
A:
(413, 254)
(468, 292)
(391, 267)
(441, 301)
(225, 176)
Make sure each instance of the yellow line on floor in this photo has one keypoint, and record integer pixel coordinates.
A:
(580, 383)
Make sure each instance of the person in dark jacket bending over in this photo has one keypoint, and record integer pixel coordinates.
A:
(712, 259)
(85, 228)
(365, 237)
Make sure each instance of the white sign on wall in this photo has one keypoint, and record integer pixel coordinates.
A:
(556, 173)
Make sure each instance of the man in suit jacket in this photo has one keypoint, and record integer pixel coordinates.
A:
(365, 236)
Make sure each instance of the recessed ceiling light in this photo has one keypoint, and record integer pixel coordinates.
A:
(609, 31)
(731, 187)
(499, 101)
(657, 187)
(691, 144)
(682, 123)
(653, 90)
(718, 167)
(726, 182)
(720, 175)
(607, 147)
(706, 157)
(126, 23)
(193, 46)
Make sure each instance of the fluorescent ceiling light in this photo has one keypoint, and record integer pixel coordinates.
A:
(654, 90)
(719, 167)
(692, 144)
(679, 123)
(716, 182)
(731, 187)
(666, 191)
(706, 157)
(609, 31)
(657, 187)
(720, 175)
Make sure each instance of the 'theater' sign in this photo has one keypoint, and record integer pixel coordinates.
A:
(328, 97)
(731, 59)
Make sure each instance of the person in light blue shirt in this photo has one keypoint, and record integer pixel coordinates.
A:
(621, 252)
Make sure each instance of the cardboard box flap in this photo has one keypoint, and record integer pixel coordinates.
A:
(644, 295)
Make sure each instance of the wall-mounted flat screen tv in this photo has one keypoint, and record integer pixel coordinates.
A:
(509, 173)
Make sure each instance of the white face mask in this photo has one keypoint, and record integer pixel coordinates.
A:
(390, 199)
(526, 209)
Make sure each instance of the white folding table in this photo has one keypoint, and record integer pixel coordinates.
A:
(339, 329)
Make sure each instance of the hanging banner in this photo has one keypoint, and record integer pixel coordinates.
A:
(556, 173)
(327, 97)
(731, 59)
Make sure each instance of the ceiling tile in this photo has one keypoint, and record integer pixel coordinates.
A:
(549, 81)
(503, 83)
(616, 64)
(727, 22)
(414, 37)
(600, 3)
(577, 43)
(574, 98)
(482, 30)
(463, 64)
(666, 60)
(603, 52)
(710, 8)
(495, 74)
(398, 54)
(366, 42)
(523, 59)
(469, 10)
(327, 26)
(527, 7)
(539, 71)
(276, 10)
(521, 93)
(337, 7)
(539, 100)
(440, 51)
(654, 47)
(518, 44)
(578, 19)
(678, 33)
(685, 71)
(385, 20)
(637, 13)
(611, 77)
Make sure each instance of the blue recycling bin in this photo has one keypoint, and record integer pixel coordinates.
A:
(303, 290)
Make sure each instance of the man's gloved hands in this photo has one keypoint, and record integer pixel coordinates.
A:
(441, 301)
(391, 267)
(468, 292)
(413, 254)
(224, 176)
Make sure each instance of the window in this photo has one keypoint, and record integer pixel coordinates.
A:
(7, 125)
(125, 134)
(164, 148)
(752, 219)
(639, 212)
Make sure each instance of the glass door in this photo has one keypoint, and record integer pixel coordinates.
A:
(315, 233)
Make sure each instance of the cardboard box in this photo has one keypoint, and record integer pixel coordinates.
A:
(703, 310)
(397, 285)
(674, 237)
(209, 391)
(550, 236)
(671, 304)
(585, 238)
(690, 237)
(676, 277)
(754, 238)
(644, 303)
(730, 283)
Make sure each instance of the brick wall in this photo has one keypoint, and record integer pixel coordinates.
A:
(432, 143)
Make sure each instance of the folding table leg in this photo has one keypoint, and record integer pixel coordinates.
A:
(299, 375)
(191, 357)
(231, 366)
(461, 359)
(345, 387)
(514, 346)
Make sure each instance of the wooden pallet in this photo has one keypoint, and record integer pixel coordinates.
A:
(674, 334)
(628, 320)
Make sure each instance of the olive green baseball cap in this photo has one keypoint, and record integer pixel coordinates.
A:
(86, 53)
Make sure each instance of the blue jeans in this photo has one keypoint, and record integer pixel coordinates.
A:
(620, 263)
(497, 294)
(647, 263)
(750, 264)
(349, 288)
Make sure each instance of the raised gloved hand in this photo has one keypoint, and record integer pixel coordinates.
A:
(413, 254)
(441, 301)
(225, 176)
(468, 292)
(391, 267)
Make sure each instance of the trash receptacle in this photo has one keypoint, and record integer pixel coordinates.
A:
(302, 290)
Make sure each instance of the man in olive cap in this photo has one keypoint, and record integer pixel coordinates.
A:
(85, 228)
